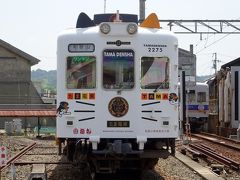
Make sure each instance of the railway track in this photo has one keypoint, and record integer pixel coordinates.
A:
(208, 152)
(37, 153)
(235, 141)
(57, 167)
(229, 143)
(226, 147)
(18, 156)
(220, 154)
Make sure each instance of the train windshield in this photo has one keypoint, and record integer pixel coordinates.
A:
(118, 69)
(81, 72)
(154, 72)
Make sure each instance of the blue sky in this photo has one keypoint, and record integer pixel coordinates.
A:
(33, 25)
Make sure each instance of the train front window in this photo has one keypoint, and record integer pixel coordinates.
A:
(118, 69)
(81, 72)
(154, 73)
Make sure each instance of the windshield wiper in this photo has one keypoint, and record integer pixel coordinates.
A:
(157, 88)
(120, 88)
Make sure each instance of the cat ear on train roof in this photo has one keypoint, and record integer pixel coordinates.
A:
(151, 22)
(84, 21)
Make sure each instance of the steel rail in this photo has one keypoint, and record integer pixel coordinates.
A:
(235, 163)
(17, 156)
(220, 137)
(41, 154)
(217, 141)
(41, 162)
(210, 154)
(213, 155)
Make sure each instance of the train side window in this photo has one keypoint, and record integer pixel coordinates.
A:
(191, 96)
(201, 97)
(154, 73)
(118, 69)
(81, 72)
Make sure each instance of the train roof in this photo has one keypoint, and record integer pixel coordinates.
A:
(85, 21)
(99, 18)
(88, 26)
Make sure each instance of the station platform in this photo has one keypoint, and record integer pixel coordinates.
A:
(204, 172)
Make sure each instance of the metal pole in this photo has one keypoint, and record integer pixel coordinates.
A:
(104, 6)
(141, 10)
(183, 86)
(39, 126)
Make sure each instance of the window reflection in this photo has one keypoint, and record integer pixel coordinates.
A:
(118, 69)
(81, 72)
(154, 72)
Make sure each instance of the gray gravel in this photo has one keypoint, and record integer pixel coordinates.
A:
(171, 168)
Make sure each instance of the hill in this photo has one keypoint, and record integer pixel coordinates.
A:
(203, 78)
(48, 79)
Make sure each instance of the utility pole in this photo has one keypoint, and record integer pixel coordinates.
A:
(215, 61)
(142, 10)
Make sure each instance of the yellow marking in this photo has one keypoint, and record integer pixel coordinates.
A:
(85, 96)
(151, 22)
(158, 96)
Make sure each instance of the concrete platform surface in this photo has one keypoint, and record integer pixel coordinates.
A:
(202, 171)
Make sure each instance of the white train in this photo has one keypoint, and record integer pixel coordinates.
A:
(117, 92)
(197, 101)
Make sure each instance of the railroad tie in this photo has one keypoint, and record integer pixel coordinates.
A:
(38, 172)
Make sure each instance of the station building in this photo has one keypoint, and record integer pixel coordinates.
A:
(225, 91)
(18, 96)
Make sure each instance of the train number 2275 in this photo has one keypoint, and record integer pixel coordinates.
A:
(154, 49)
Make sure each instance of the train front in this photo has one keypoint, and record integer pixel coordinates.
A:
(117, 91)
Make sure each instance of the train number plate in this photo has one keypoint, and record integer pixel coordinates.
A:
(118, 124)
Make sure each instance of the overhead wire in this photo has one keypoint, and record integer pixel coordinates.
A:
(215, 42)
(208, 37)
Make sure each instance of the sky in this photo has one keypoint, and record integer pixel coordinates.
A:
(33, 25)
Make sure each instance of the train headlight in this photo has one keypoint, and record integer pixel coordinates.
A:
(105, 28)
(132, 28)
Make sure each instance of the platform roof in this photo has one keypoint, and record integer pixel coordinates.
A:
(28, 113)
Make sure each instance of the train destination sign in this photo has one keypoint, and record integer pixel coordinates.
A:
(116, 54)
(81, 47)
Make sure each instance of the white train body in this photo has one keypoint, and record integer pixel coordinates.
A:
(143, 113)
(97, 113)
(117, 85)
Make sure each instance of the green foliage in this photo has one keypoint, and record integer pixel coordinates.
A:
(48, 79)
